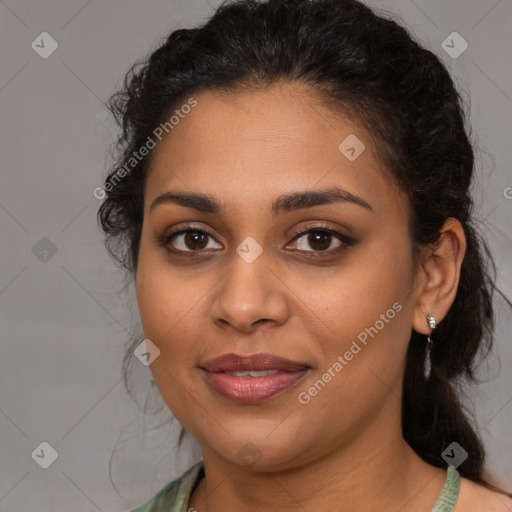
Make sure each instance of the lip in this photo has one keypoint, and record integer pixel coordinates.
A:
(250, 390)
(253, 362)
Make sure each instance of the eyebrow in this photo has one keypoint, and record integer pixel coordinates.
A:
(283, 204)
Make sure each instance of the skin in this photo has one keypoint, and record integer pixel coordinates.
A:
(246, 150)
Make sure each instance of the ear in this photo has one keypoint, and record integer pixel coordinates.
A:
(438, 276)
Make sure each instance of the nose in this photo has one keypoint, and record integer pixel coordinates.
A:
(249, 295)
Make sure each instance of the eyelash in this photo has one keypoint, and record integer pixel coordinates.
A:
(165, 239)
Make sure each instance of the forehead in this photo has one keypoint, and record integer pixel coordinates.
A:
(263, 143)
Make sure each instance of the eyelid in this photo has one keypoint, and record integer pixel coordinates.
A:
(188, 227)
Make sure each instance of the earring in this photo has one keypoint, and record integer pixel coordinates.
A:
(431, 321)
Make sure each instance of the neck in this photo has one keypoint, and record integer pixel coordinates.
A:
(376, 471)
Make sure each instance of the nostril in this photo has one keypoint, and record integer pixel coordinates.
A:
(262, 320)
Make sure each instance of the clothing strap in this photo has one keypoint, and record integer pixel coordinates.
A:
(449, 493)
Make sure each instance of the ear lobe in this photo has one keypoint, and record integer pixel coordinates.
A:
(439, 276)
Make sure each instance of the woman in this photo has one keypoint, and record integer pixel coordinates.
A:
(292, 201)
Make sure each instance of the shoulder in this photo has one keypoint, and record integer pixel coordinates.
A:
(474, 497)
(175, 495)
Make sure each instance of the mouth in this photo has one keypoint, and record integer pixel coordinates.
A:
(252, 363)
(252, 378)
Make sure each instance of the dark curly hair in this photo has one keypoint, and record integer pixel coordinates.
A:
(369, 67)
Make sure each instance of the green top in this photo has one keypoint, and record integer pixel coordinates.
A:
(174, 497)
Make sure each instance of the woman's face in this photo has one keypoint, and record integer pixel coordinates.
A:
(338, 299)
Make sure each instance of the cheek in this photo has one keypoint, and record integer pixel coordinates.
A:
(173, 306)
(160, 298)
(368, 309)
(168, 308)
(169, 315)
(153, 299)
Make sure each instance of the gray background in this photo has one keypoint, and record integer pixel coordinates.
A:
(65, 323)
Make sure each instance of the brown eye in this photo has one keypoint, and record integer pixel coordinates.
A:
(189, 241)
(195, 240)
(320, 240)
